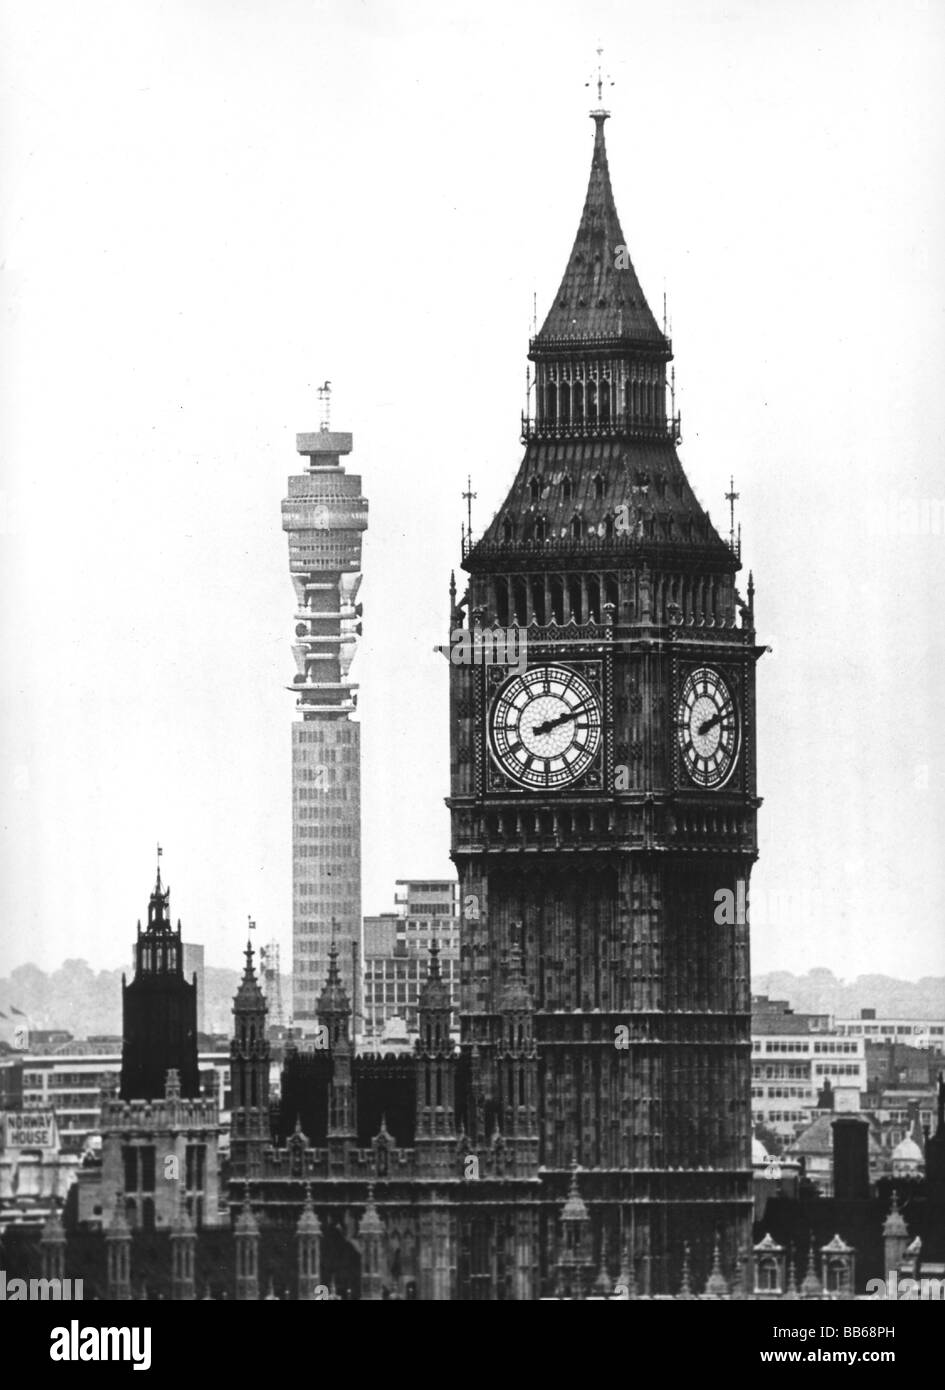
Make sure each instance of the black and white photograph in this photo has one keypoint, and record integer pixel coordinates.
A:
(472, 537)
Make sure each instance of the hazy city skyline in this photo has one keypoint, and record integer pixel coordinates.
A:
(210, 210)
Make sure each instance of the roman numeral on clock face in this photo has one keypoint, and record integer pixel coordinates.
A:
(545, 726)
(707, 728)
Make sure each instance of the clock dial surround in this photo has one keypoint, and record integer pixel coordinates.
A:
(707, 728)
(545, 727)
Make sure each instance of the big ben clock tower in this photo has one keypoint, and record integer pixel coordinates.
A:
(603, 797)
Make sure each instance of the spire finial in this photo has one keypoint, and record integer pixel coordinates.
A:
(685, 1287)
(731, 498)
(157, 886)
(602, 79)
(469, 495)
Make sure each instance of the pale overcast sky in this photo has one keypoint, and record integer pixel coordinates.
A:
(209, 208)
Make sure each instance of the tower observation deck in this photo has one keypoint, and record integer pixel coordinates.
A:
(324, 515)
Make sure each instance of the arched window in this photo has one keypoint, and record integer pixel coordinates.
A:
(567, 488)
(557, 599)
(577, 402)
(502, 602)
(538, 600)
(564, 402)
(534, 488)
(590, 395)
(599, 486)
(539, 528)
(611, 590)
(574, 600)
(551, 401)
(576, 528)
(593, 600)
(508, 529)
(521, 601)
(605, 400)
(608, 527)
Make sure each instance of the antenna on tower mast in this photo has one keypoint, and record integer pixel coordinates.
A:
(324, 406)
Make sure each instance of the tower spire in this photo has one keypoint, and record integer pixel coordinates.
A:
(600, 296)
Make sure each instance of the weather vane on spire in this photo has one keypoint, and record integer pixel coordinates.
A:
(469, 495)
(602, 79)
(731, 498)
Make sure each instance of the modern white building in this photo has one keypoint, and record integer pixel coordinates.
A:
(69, 1085)
(793, 1056)
(397, 953)
(916, 1032)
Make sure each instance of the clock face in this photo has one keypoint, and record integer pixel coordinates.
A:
(545, 727)
(707, 728)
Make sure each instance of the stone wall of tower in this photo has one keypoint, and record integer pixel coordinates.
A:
(611, 879)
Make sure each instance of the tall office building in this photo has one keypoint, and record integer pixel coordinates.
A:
(324, 515)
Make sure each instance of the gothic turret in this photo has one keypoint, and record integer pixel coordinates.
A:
(517, 1068)
(575, 1259)
(249, 1069)
(436, 1076)
(159, 1009)
(334, 1015)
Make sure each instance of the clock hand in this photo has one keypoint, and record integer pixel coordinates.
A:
(549, 724)
(717, 718)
